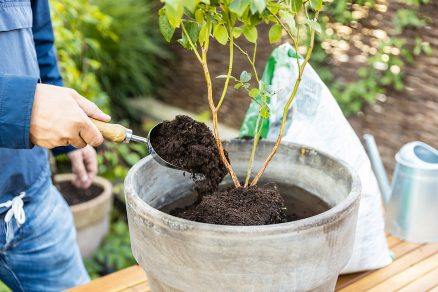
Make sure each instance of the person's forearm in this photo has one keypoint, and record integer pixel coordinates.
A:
(16, 100)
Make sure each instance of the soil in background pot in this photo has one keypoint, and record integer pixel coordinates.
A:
(191, 145)
(74, 195)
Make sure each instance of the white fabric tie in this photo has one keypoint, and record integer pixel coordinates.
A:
(16, 210)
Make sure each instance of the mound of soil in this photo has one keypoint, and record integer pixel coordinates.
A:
(74, 195)
(238, 206)
(190, 145)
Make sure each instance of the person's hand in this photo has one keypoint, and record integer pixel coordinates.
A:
(84, 166)
(60, 117)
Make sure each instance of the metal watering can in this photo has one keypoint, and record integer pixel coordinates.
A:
(411, 202)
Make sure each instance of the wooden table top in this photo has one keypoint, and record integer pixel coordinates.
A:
(414, 270)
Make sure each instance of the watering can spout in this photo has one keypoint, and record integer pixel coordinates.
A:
(378, 168)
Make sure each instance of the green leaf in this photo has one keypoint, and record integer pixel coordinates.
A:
(238, 85)
(237, 32)
(245, 76)
(316, 4)
(250, 33)
(264, 112)
(193, 32)
(297, 5)
(259, 5)
(254, 92)
(290, 20)
(174, 13)
(221, 34)
(275, 33)
(176, 4)
(239, 6)
(190, 5)
(199, 16)
(314, 25)
(166, 29)
(204, 34)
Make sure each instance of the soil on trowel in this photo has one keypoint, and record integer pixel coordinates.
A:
(74, 195)
(238, 206)
(190, 145)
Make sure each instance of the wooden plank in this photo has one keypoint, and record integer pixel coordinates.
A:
(142, 287)
(392, 240)
(399, 265)
(407, 276)
(424, 283)
(345, 280)
(399, 250)
(403, 248)
(115, 282)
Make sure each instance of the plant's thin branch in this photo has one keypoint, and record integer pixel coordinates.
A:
(257, 133)
(214, 115)
(296, 45)
(191, 43)
(311, 44)
(254, 54)
(249, 60)
(286, 108)
(284, 26)
(230, 69)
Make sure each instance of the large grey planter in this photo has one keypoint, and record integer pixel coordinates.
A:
(91, 217)
(181, 255)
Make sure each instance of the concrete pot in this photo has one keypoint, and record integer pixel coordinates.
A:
(91, 217)
(305, 255)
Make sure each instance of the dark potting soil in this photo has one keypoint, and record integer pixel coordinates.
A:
(238, 206)
(74, 195)
(299, 203)
(190, 145)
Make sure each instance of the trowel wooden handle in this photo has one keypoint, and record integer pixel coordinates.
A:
(111, 132)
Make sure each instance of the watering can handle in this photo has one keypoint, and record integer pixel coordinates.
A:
(377, 166)
(111, 132)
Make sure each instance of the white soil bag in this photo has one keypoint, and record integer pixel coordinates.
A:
(316, 120)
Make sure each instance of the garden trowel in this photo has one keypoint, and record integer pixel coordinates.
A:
(118, 133)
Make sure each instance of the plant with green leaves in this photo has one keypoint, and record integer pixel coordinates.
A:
(228, 21)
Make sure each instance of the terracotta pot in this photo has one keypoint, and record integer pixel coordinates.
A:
(91, 217)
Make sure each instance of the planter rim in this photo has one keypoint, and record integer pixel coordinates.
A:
(332, 215)
(103, 196)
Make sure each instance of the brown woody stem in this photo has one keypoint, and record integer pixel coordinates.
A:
(215, 120)
(203, 60)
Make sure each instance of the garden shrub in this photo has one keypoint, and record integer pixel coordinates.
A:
(131, 62)
(71, 20)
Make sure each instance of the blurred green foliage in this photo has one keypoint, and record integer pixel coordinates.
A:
(110, 48)
(132, 61)
(384, 68)
(116, 159)
(115, 252)
(71, 20)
